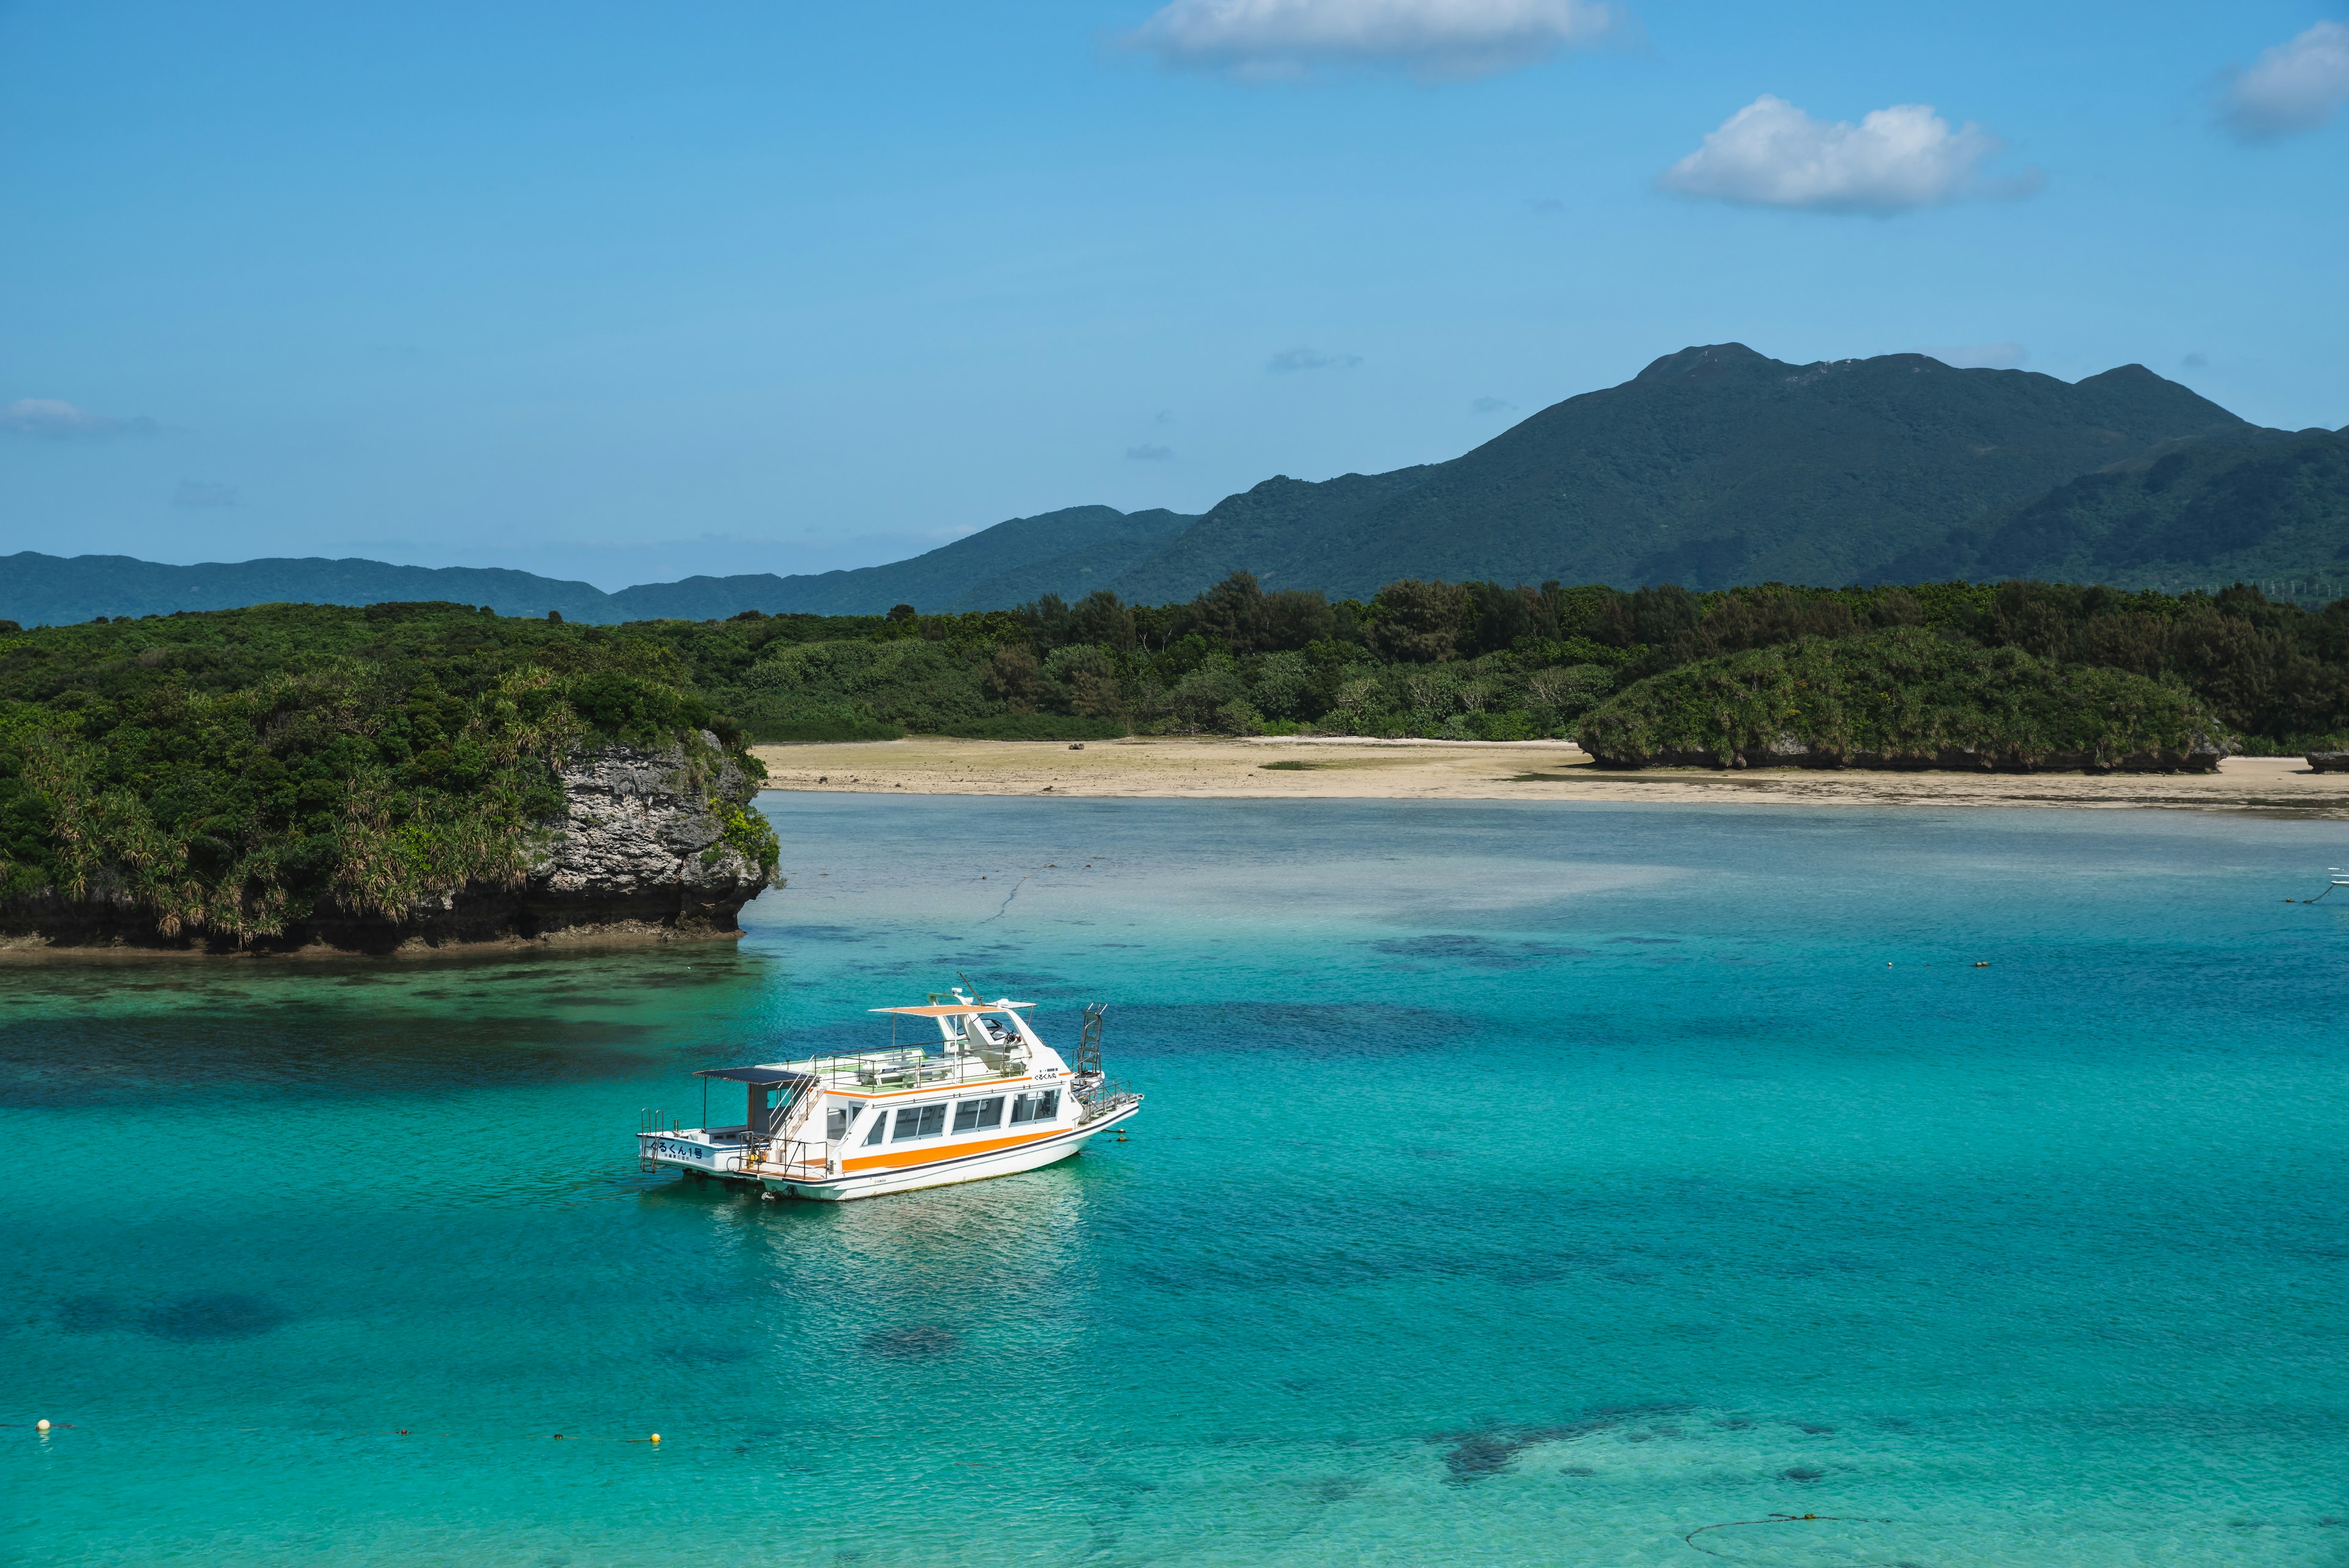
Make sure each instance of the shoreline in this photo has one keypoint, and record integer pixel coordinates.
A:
(1343, 768)
(21, 948)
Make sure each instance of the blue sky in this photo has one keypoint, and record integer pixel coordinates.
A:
(623, 292)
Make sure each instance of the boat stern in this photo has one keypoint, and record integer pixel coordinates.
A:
(723, 1152)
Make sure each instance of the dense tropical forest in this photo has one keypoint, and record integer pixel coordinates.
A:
(1484, 662)
(231, 771)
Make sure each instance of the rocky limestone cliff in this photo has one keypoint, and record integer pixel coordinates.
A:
(643, 843)
(643, 851)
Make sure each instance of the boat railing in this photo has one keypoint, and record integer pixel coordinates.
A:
(1102, 1099)
(902, 1067)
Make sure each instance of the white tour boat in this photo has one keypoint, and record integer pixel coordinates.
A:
(988, 1097)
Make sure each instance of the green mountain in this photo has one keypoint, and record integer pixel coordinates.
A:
(2256, 507)
(1712, 466)
(1069, 553)
(55, 590)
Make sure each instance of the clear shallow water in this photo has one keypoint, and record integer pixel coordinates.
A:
(1518, 1185)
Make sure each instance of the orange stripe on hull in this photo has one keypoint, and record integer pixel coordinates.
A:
(951, 1151)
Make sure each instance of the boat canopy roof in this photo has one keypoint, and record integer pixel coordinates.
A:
(754, 1074)
(953, 1009)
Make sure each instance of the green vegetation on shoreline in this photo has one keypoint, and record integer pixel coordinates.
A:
(1481, 662)
(1905, 696)
(232, 772)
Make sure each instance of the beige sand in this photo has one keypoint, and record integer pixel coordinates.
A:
(1544, 769)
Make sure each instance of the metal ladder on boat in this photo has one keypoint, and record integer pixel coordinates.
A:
(649, 1120)
(795, 1116)
(1088, 1058)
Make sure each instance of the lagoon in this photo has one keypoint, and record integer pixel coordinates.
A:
(1519, 1183)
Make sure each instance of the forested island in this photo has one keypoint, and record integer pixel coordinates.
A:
(299, 777)
(293, 776)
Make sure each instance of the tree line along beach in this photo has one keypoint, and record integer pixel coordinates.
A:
(404, 774)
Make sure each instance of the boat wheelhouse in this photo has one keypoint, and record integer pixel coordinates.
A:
(987, 1097)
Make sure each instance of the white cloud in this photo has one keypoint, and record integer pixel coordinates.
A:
(1772, 154)
(59, 420)
(2295, 86)
(1981, 355)
(1289, 360)
(1288, 38)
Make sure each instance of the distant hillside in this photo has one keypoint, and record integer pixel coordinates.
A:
(38, 589)
(2256, 507)
(1069, 553)
(1715, 465)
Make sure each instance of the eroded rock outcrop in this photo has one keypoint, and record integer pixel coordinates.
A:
(644, 843)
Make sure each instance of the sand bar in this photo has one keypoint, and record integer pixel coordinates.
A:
(1329, 769)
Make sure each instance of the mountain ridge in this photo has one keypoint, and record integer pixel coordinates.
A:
(1715, 465)
(994, 568)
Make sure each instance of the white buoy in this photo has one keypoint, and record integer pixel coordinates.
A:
(42, 1425)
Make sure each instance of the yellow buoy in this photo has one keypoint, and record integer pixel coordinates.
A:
(655, 1436)
(42, 1425)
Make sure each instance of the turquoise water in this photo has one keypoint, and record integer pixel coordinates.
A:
(1518, 1185)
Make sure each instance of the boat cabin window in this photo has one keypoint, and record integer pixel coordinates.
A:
(972, 1114)
(880, 1124)
(1043, 1107)
(920, 1121)
(836, 1123)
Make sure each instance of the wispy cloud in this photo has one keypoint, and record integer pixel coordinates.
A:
(1981, 355)
(2196, 361)
(1275, 39)
(1772, 154)
(1149, 453)
(203, 493)
(1493, 406)
(1291, 360)
(2297, 86)
(60, 420)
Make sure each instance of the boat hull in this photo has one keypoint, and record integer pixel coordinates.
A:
(724, 1160)
(944, 1172)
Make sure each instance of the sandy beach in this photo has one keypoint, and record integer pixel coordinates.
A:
(1328, 769)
